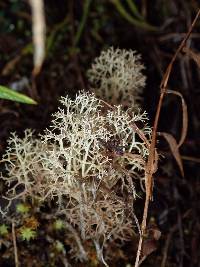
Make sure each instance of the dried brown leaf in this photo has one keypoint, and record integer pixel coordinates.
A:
(184, 119)
(150, 244)
(155, 233)
(174, 149)
(192, 55)
(148, 247)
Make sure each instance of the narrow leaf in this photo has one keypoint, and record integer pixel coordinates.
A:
(136, 22)
(192, 55)
(184, 119)
(174, 149)
(6, 93)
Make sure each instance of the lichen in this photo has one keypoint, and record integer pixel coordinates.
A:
(88, 163)
(116, 77)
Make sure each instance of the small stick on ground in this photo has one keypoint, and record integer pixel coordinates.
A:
(15, 245)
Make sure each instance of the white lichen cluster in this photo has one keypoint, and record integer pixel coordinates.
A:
(88, 163)
(116, 77)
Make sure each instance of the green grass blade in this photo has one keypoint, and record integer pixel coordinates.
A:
(138, 23)
(134, 9)
(86, 8)
(6, 93)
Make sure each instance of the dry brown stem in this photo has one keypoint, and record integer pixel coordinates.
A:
(151, 158)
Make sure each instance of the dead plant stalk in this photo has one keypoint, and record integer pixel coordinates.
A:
(152, 159)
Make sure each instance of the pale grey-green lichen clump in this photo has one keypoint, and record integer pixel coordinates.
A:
(88, 163)
(116, 77)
